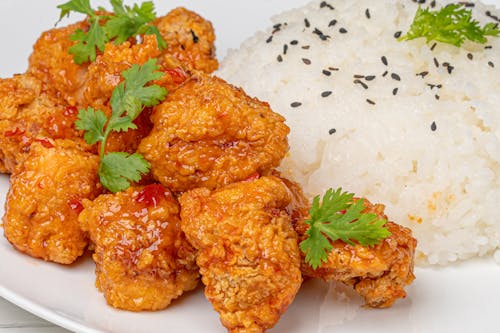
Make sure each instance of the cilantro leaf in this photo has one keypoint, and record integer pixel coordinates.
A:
(125, 23)
(339, 217)
(132, 94)
(92, 122)
(85, 49)
(79, 6)
(117, 170)
(452, 24)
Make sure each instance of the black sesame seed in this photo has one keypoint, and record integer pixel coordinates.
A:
(395, 91)
(370, 77)
(358, 76)
(439, 86)
(433, 46)
(332, 23)
(306, 47)
(437, 97)
(385, 73)
(467, 4)
(285, 48)
(343, 30)
(320, 34)
(325, 72)
(306, 22)
(397, 34)
(270, 39)
(369, 101)
(450, 69)
(491, 64)
(384, 60)
(306, 61)
(367, 13)
(332, 131)
(279, 58)
(361, 83)
(295, 104)
(436, 62)
(396, 77)
(195, 38)
(470, 56)
(488, 47)
(333, 68)
(433, 126)
(294, 42)
(423, 74)
(433, 3)
(326, 93)
(446, 64)
(326, 4)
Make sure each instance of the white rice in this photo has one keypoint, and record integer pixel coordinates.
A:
(442, 183)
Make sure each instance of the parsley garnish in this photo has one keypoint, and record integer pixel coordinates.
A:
(452, 24)
(118, 169)
(125, 23)
(339, 217)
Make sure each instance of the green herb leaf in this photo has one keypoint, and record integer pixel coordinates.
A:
(117, 170)
(78, 6)
(452, 24)
(85, 49)
(125, 23)
(92, 122)
(339, 217)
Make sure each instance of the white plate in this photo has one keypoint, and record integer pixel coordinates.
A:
(461, 298)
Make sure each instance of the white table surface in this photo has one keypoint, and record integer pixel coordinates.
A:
(15, 320)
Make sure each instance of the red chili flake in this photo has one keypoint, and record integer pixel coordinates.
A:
(76, 205)
(252, 177)
(45, 142)
(177, 74)
(151, 195)
(16, 131)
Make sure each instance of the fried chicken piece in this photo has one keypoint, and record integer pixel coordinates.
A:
(143, 260)
(379, 273)
(190, 38)
(27, 115)
(209, 133)
(52, 63)
(247, 250)
(44, 200)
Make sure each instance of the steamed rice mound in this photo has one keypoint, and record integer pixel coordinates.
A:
(412, 125)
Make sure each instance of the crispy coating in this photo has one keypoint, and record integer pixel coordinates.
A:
(379, 273)
(143, 260)
(44, 200)
(209, 133)
(247, 250)
(190, 38)
(27, 115)
(52, 63)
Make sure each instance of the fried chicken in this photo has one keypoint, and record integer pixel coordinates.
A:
(44, 200)
(27, 114)
(247, 250)
(143, 260)
(190, 38)
(209, 133)
(52, 63)
(379, 273)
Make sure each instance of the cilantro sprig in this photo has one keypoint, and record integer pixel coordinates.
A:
(126, 22)
(339, 217)
(452, 24)
(118, 169)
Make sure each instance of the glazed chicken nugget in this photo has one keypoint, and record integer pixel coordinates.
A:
(143, 260)
(52, 63)
(247, 250)
(190, 38)
(44, 200)
(379, 273)
(28, 114)
(209, 133)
